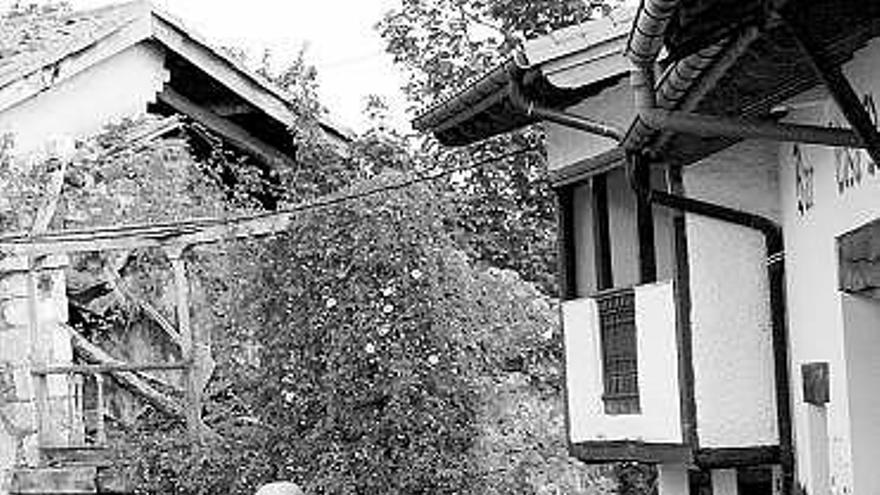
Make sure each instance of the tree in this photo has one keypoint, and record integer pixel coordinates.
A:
(506, 213)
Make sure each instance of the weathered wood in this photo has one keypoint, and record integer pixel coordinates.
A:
(37, 356)
(236, 135)
(145, 306)
(128, 238)
(132, 381)
(192, 390)
(219, 67)
(50, 204)
(50, 481)
(94, 369)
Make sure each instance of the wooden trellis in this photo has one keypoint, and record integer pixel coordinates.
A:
(174, 240)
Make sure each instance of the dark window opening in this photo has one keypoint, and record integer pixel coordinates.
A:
(617, 321)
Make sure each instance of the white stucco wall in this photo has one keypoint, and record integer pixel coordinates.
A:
(659, 420)
(119, 87)
(862, 329)
(566, 146)
(838, 192)
(730, 315)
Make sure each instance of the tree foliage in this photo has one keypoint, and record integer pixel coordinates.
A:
(506, 213)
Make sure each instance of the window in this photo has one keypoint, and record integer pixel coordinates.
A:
(617, 321)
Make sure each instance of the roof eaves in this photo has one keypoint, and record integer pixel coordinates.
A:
(280, 96)
(481, 92)
(129, 13)
(558, 59)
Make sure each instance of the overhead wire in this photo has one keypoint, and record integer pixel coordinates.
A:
(176, 228)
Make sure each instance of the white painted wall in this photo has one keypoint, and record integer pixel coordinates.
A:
(566, 146)
(660, 420)
(119, 87)
(844, 195)
(730, 315)
(861, 316)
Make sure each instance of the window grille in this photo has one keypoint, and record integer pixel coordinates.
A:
(617, 320)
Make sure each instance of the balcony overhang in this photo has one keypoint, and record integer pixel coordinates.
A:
(557, 71)
(750, 82)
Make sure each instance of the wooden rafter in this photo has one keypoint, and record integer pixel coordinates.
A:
(235, 135)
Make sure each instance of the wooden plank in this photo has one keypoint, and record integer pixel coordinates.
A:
(109, 367)
(192, 390)
(145, 306)
(52, 481)
(237, 136)
(127, 238)
(138, 385)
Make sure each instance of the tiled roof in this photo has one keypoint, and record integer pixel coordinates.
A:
(41, 37)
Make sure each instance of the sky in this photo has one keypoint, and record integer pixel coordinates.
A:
(339, 35)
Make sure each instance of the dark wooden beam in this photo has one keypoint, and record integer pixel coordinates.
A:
(601, 233)
(837, 84)
(684, 333)
(229, 131)
(631, 451)
(725, 458)
(644, 220)
(231, 109)
(567, 261)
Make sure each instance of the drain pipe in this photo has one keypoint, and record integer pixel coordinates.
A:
(643, 47)
(774, 245)
(531, 108)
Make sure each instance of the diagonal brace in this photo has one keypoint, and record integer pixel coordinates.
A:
(838, 86)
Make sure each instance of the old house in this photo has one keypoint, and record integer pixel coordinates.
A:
(63, 78)
(715, 164)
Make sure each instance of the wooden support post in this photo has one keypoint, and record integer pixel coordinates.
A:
(38, 358)
(601, 233)
(100, 427)
(644, 220)
(567, 250)
(190, 343)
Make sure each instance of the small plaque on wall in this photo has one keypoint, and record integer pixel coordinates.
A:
(817, 387)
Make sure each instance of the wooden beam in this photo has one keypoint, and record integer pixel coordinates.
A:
(601, 233)
(230, 109)
(234, 134)
(219, 67)
(145, 306)
(567, 250)
(131, 380)
(644, 221)
(127, 238)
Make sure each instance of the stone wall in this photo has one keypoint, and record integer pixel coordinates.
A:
(19, 349)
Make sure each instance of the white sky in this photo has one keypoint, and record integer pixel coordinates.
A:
(340, 35)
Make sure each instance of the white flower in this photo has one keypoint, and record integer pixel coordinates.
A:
(288, 396)
(384, 330)
(330, 303)
(433, 359)
(370, 348)
(416, 274)
(388, 291)
(387, 309)
(548, 334)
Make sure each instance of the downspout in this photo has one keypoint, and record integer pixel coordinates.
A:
(643, 48)
(644, 45)
(532, 109)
